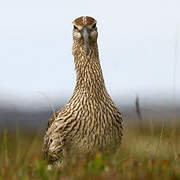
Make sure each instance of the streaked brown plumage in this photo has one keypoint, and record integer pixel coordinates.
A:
(90, 122)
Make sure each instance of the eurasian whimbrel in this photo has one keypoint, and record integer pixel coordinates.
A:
(90, 122)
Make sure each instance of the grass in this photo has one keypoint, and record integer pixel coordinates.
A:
(143, 154)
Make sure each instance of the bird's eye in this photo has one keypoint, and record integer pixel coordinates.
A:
(94, 26)
(75, 27)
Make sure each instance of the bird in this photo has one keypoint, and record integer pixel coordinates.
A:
(90, 122)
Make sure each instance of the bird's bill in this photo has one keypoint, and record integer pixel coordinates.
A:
(85, 33)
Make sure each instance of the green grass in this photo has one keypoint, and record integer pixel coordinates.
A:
(148, 154)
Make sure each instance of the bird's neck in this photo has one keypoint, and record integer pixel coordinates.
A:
(89, 74)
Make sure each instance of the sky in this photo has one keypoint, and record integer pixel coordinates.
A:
(139, 47)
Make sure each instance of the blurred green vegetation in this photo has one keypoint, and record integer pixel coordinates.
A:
(146, 153)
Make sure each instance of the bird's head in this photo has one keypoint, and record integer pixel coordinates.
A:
(85, 31)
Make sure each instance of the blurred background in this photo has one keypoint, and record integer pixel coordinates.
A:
(139, 46)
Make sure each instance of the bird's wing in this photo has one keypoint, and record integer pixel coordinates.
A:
(51, 120)
(53, 140)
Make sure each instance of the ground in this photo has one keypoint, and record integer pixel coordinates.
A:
(151, 152)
